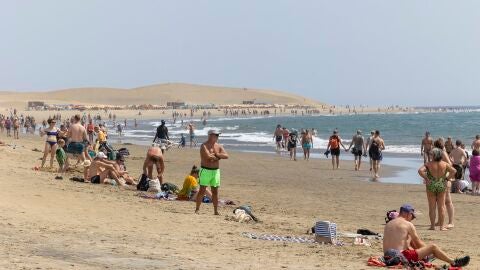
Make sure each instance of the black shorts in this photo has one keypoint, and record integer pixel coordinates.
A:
(357, 153)
(335, 152)
(95, 179)
(278, 138)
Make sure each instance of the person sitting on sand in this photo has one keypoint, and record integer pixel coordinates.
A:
(190, 187)
(97, 171)
(119, 165)
(154, 157)
(436, 174)
(400, 238)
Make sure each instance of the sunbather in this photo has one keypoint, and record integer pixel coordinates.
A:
(190, 187)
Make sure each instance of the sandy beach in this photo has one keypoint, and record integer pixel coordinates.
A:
(61, 224)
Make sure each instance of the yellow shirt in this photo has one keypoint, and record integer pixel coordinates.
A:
(101, 136)
(190, 183)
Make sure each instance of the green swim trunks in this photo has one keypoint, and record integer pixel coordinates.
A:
(209, 177)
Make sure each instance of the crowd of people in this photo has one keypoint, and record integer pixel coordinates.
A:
(372, 147)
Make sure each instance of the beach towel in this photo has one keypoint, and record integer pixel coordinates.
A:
(379, 261)
(272, 237)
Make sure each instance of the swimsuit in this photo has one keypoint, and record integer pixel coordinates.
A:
(278, 138)
(95, 179)
(436, 185)
(209, 177)
(374, 151)
(52, 133)
(335, 151)
(75, 148)
(307, 145)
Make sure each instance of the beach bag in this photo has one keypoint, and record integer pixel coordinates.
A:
(325, 232)
(334, 142)
(143, 183)
(154, 185)
(169, 188)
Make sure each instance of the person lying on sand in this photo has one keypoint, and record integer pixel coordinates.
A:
(400, 238)
(99, 170)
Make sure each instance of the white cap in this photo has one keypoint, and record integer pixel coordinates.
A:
(101, 155)
(214, 131)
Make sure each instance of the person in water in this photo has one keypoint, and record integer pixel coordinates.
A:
(377, 145)
(426, 148)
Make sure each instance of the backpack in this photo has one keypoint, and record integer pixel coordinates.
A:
(143, 183)
(392, 214)
(334, 142)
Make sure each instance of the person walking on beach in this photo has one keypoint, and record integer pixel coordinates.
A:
(286, 134)
(77, 135)
(16, 128)
(334, 143)
(359, 148)
(426, 148)
(161, 135)
(400, 240)
(292, 144)
(307, 144)
(367, 147)
(375, 151)
(459, 159)
(211, 152)
(191, 131)
(51, 142)
(436, 175)
(277, 136)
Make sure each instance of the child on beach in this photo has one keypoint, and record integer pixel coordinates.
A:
(475, 172)
(61, 157)
(190, 187)
(182, 141)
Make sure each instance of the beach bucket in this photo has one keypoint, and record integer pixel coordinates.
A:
(325, 232)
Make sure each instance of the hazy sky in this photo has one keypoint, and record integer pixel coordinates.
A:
(341, 52)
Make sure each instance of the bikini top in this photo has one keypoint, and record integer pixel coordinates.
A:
(52, 133)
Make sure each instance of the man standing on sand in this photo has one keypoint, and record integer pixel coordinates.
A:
(358, 148)
(459, 159)
(426, 148)
(209, 176)
(77, 135)
(162, 135)
(334, 144)
(449, 145)
(191, 132)
(154, 157)
(400, 240)
(278, 136)
(377, 145)
(476, 143)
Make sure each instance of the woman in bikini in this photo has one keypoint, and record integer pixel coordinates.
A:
(436, 175)
(51, 143)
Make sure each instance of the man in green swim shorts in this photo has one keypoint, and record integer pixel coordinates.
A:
(209, 176)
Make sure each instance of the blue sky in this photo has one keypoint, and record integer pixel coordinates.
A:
(341, 52)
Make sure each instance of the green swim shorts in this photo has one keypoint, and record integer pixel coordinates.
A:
(209, 177)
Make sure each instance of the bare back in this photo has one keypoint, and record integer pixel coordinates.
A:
(458, 156)
(77, 133)
(396, 234)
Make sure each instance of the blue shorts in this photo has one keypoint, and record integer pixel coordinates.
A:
(75, 148)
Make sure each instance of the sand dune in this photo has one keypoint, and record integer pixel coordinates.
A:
(158, 94)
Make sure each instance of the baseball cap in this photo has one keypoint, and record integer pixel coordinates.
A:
(408, 208)
(214, 131)
(101, 155)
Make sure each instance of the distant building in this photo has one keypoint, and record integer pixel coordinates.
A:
(248, 102)
(176, 104)
(35, 105)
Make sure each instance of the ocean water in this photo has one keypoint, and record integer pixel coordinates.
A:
(402, 133)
